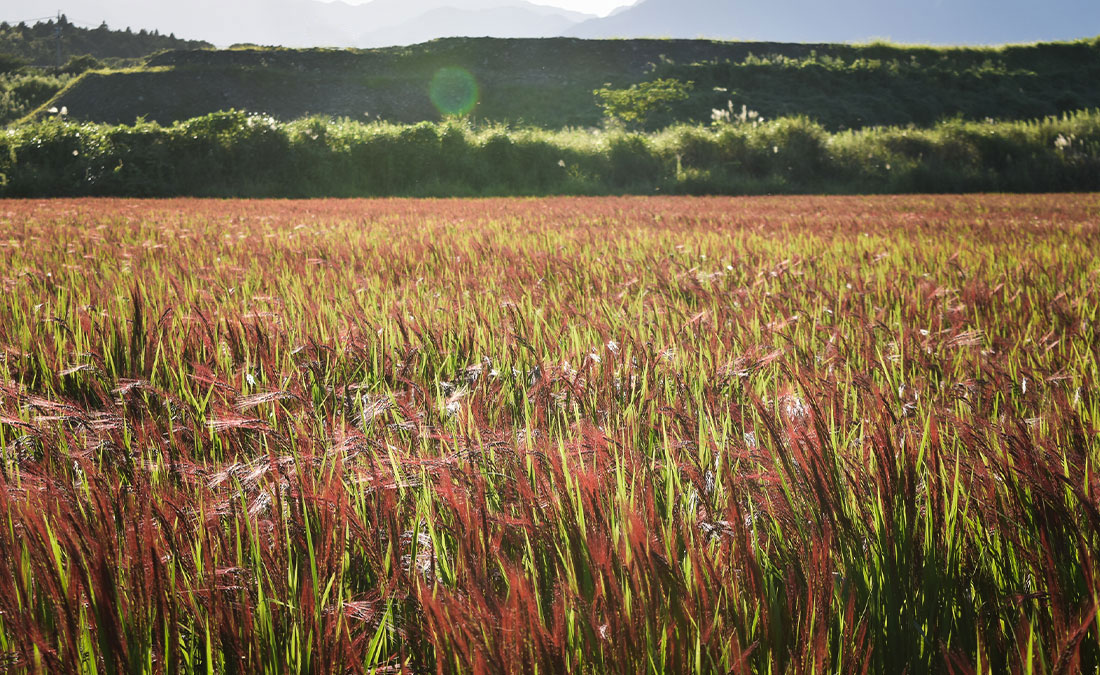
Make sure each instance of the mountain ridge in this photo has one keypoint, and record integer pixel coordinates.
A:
(512, 21)
(308, 23)
(962, 22)
(315, 23)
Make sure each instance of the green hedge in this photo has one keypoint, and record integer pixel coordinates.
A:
(238, 154)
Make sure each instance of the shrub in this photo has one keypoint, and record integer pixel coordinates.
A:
(10, 63)
(632, 162)
(641, 104)
(78, 64)
(796, 146)
(235, 153)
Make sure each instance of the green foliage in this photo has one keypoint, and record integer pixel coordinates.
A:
(633, 163)
(24, 89)
(78, 64)
(550, 83)
(22, 92)
(10, 63)
(640, 104)
(845, 86)
(239, 154)
(36, 44)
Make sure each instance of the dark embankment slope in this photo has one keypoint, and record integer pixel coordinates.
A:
(549, 82)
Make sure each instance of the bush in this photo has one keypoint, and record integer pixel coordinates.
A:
(78, 64)
(238, 154)
(21, 93)
(797, 147)
(9, 63)
(640, 105)
(633, 164)
(696, 147)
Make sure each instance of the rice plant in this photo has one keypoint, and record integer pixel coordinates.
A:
(754, 435)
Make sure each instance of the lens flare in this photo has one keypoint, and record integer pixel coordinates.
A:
(453, 91)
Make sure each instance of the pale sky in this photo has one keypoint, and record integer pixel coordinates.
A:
(597, 7)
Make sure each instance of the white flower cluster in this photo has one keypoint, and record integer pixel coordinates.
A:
(728, 116)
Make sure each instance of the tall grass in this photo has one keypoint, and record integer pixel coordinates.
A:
(235, 154)
(617, 435)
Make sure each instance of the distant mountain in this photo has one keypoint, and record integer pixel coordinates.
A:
(312, 23)
(518, 22)
(910, 21)
(315, 23)
(222, 22)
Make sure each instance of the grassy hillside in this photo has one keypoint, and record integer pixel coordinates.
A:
(29, 72)
(549, 82)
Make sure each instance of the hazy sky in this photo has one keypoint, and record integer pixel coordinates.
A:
(600, 7)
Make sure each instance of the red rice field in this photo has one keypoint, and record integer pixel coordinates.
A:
(765, 435)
